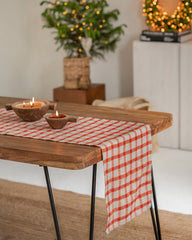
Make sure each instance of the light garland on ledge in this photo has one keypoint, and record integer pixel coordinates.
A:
(158, 19)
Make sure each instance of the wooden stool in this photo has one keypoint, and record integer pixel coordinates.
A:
(82, 96)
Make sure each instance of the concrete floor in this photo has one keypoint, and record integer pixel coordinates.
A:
(172, 171)
(173, 177)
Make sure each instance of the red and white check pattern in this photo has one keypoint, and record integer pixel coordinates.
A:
(126, 149)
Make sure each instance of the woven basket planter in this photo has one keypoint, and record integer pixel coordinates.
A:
(77, 73)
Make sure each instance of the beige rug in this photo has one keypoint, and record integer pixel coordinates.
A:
(25, 214)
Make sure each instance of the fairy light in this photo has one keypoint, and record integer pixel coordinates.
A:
(159, 20)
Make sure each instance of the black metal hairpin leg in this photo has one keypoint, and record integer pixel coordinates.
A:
(52, 202)
(155, 205)
(92, 214)
(156, 224)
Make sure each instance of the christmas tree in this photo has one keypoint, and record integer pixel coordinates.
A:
(83, 27)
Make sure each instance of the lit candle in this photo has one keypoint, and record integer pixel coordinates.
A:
(59, 120)
(57, 115)
(32, 103)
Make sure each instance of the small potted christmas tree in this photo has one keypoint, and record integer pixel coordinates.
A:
(84, 29)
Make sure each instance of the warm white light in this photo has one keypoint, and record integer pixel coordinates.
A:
(33, 100)
(31, 104)
(57, 114)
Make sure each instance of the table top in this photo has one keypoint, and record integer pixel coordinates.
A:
(73, 156)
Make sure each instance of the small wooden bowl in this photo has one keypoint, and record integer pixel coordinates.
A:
(31, 114)
(58, 122)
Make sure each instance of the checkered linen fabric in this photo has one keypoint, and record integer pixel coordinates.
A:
(126, 149)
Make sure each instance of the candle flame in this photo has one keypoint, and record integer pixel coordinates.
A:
(23, 104)
(57, 114)
(33, 100)
(31, 104)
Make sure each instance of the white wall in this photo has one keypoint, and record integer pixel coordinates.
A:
(30, 66)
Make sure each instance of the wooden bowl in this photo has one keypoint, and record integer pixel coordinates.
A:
(30, 114)
(58, 122)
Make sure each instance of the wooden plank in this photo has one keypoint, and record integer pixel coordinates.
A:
(48, 153)
(157, 121)
(72, 156)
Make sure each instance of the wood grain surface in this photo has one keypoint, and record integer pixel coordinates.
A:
(82, 96)
(72, 156)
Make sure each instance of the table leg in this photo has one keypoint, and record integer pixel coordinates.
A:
(93, 202)
(156, 224)
(49, 188)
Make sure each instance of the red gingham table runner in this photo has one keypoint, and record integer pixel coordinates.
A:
(126, 149)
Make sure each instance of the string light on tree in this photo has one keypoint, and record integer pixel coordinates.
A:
(158, 19)
(76, 21)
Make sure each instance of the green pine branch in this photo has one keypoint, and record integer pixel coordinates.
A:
(77, 19)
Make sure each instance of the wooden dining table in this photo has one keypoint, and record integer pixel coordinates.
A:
(73, 156)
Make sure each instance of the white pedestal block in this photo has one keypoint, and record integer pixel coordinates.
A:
(156, 77)
(186, 96)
